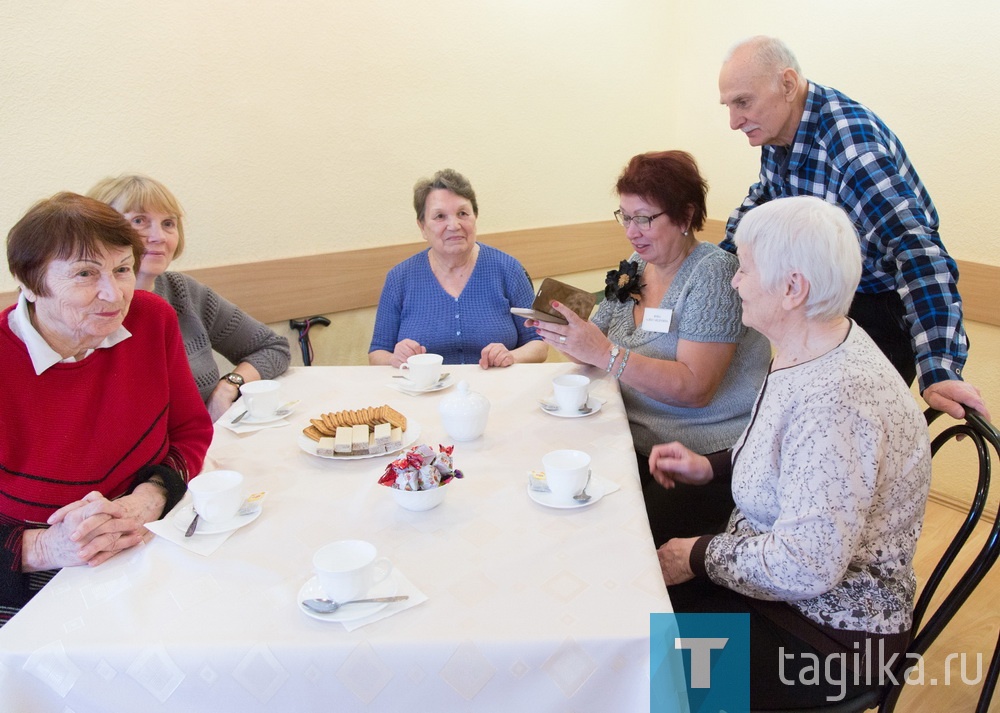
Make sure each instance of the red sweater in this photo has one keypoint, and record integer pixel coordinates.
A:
(92, 424)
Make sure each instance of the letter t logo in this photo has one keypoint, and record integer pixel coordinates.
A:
(701, 658)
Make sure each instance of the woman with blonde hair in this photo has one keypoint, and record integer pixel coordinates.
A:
(208, 321)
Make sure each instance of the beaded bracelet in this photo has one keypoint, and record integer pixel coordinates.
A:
(614, 355)
(624, 362)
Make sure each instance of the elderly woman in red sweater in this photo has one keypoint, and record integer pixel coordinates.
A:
(101, 424)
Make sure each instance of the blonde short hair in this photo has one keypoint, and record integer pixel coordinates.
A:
(135, 193)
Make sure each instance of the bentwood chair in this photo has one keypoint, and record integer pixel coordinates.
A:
(928, 625)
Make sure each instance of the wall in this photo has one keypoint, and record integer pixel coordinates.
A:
(955, 475)
(300, 127)
(927, 68)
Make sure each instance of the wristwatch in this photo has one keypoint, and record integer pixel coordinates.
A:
(615, 349)
(234, 379)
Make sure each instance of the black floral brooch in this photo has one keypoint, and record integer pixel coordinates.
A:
(623, 284)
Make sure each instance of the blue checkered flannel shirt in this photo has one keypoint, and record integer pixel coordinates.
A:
(844, 154)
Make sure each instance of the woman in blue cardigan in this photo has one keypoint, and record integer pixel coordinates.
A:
(454, 298)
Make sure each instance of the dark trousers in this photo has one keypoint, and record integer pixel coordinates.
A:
(684, 510)
(779, 660)
(882, 316)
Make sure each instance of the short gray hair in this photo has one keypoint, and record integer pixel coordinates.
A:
(769, 54)
(446, 179)
(807, 235)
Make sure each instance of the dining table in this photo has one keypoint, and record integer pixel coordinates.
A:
(516, 603)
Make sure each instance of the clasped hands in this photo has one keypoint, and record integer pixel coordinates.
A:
(93, 529)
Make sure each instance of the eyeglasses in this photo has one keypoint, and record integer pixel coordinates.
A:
(641, 221)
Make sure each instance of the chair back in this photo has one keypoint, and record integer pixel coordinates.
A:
(928, 624)
(986, 440)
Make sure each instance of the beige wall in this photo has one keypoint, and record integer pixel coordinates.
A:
(293, 128)
(299, 127)
(927, 68)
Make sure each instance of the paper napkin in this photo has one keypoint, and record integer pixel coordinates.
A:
(404, 586)
(199, 543)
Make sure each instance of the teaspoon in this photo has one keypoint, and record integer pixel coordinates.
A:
(328, 606)
(553, 408)
(283, 411)
(583, 496)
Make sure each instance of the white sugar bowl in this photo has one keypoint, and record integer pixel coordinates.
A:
(464, 413)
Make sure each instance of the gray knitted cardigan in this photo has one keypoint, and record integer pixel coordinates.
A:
(210, 322)
(705, 309)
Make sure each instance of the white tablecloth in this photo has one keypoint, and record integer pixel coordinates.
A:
(528, 608)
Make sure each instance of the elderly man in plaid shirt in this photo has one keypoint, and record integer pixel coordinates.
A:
(816, 141)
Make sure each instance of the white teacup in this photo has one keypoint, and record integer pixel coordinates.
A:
(566, 472)
(217, 495)
(571, 391)
(262, 398)
(423, 370)
(347, 569)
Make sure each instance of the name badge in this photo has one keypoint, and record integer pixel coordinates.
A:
(657, 320)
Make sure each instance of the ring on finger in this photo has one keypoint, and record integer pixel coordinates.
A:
(562, 339)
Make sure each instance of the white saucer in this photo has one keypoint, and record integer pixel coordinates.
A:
(593, 402)
(409, 436)
(184, 516)
(311, 590)
(249, 420)
(408, 387)
(596, 490)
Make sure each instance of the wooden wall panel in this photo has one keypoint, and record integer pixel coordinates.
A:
(277, 290)
(978, 285)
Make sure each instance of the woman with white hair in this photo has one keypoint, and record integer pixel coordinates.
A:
(830, 477)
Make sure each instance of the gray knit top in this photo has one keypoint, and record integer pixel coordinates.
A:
(210, 322)
(705, 309)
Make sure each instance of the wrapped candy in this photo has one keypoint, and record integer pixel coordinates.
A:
(421, 468)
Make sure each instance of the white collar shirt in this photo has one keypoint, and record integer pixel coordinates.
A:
(42, 355)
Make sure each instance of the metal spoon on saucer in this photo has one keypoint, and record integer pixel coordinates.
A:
(282, 411)
(328, 606)
(193, 526)
(583, 496)
(553, 408)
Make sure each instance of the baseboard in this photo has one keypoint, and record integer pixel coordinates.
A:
(959, 505)
(278, 290)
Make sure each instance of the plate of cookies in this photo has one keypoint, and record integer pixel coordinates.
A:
(351, 434)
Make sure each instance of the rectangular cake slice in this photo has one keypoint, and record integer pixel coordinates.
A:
(325, 447)
(345, 437)
(359, 439)
(374, 447)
